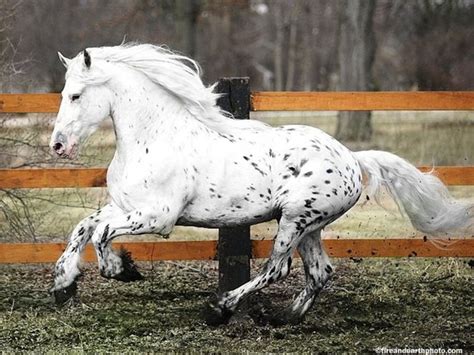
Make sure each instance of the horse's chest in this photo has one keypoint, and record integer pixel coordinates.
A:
(127, 186)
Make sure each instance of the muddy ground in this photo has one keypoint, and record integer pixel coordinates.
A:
(369, 303)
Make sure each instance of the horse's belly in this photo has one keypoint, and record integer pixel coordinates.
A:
(215, 216)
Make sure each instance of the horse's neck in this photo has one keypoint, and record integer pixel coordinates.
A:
(143, 112)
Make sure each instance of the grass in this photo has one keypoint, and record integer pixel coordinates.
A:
(370, 303)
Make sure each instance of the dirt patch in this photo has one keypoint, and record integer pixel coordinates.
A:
(370, 303)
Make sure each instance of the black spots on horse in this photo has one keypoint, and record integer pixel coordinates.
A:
(269, 191)
(81, 231)
(256, 167)
(295, 171)
(290, 260)
(87, 59)
(286, 176)
(308, 174)
(303, 162)
(327, 182)
(258, 216)
(367, 197)
(251, 188)
(246, 157)
(229, 137)
(105, 234)
(308, 203)
(329, 171)
(271, 153)
(166, 209)
(212, 190)
(315, 211)
(285, 157)
(285, 192)
(328, 269)
(146, 150)
(334, 191)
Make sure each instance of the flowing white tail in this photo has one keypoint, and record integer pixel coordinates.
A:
(422, 196)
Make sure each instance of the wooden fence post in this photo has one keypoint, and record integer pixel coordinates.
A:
(234, 247)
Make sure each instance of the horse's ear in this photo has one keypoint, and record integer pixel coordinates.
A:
(87, 58)
(64, 60)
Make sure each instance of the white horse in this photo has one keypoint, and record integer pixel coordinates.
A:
(180, 160)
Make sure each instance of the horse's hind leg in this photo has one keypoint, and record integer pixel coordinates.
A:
(318, 270)
(67, 270)
(277, 268)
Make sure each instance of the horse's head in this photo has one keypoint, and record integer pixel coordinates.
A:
(85, 104)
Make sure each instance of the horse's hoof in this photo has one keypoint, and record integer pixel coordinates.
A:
(65, 294)
(215, 315)
(130, 272)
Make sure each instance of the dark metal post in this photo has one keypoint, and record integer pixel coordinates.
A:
(234, 248)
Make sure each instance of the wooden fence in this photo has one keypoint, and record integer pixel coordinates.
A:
(234, 249)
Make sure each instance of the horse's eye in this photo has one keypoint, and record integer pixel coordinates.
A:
(75, 97)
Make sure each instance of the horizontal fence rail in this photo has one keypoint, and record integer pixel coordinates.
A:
(207, 250)
(29, 103)
(363, 101)
(293, 101)
(96, 177)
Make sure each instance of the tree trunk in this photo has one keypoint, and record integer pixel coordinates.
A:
(278, 48)
(187, 14)
(356, 55)
(292, 47)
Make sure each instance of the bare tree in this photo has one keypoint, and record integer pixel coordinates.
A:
(356, 56)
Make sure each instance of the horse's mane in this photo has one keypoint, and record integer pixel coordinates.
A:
(178, 75)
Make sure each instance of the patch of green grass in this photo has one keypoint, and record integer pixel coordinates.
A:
(368, 304)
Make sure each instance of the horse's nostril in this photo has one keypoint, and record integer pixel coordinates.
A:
(58, 146)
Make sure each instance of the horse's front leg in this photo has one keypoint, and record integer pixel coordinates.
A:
(120, 266)
(67, 270)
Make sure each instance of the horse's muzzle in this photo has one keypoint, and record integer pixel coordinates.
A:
(61, 147)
